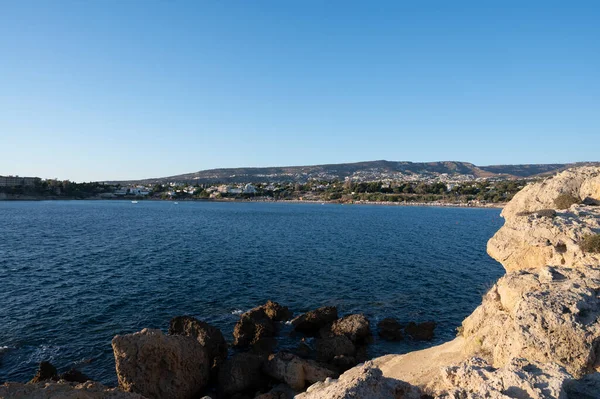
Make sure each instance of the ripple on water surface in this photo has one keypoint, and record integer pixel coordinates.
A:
(74, 274)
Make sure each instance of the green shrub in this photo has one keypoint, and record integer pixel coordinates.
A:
(590, 243)
(564, 201)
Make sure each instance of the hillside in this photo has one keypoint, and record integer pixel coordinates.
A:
(360, 171)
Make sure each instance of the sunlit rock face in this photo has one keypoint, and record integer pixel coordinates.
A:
(533, 236)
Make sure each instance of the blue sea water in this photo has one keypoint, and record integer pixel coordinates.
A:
(75, 273)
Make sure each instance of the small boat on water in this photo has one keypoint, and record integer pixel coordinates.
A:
(175, 203)
(134, 202)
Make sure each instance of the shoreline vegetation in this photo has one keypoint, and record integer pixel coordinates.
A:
(479, 194)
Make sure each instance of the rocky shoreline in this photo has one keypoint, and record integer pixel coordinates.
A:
(194, 360)
(536, 334)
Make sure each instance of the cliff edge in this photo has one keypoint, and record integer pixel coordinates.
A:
(537, 332)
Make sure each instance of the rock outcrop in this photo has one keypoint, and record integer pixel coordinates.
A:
(528, 240)
(537, 332)
(162, 366)
(365, 381)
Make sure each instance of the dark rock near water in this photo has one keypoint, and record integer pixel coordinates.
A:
(422, 331)
(330, 347)
(253, 326)
(74, 375)
(281, 391)
(241, 374)
(46, 371)
(311, 322)
(276, 312)
(389, 329)
(208, 336)
(355, 326)
(259, 323)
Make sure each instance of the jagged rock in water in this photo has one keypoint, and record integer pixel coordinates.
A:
(355, 326)
(295, 371)
(161, 366)
(208, 336)
(476, 379)
(253, 326)
(390, 330)
(62, 390)
(276, 312)
(46, 371)
(364, 381)
(311, 322)
(241, 374)
(74, 375)
(422, 331)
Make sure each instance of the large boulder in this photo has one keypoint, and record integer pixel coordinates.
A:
(365, 381)
(208, 336)
(295, 371)
(420, 331)
(355, 326)
(240, 374)
(162, 366)
(390, 330)
(62, 390)
(311, 322)
(46, 371)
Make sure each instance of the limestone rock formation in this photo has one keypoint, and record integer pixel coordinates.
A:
(161, 366)
(365, 381)
(295, 371)
(311, 322)
(476, 379)
(208, 336)
(62, 390)
(546, 315)
(528, 240)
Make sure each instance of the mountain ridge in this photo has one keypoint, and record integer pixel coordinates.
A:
(365, 170)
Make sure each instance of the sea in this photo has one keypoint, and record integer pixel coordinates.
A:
(73, 274)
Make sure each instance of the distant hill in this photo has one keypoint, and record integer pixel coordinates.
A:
(362, 171)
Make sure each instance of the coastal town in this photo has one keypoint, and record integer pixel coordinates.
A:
(407, 189)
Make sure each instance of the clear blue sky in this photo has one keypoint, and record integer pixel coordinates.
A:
(94, 90)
